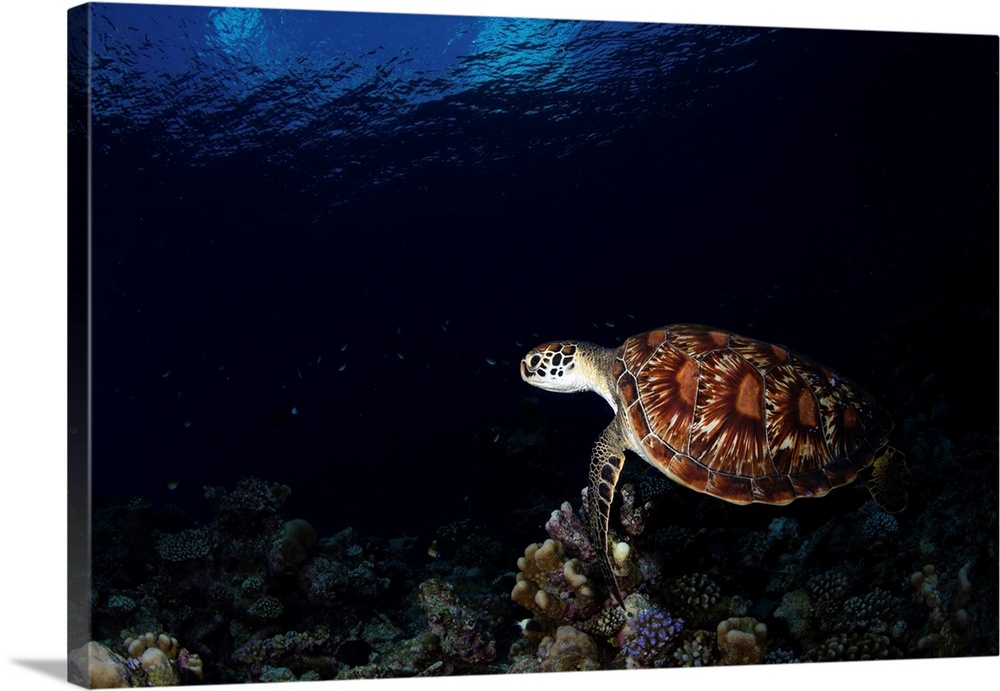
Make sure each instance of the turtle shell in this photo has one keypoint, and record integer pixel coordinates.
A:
(744, 420)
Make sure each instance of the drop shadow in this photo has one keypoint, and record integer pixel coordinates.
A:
(50, 668)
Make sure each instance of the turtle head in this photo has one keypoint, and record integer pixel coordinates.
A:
(558, 366)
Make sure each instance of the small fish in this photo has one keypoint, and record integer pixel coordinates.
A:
(343, 348)
(432, 550)
(399, 355)
(295, 410)
(172, 483)
(496, 437)
(490, 361)
(299, 371)
(319, 358)
(342, 367)
(166, 374)
(609, 324)
(187, 422)
(530, 627)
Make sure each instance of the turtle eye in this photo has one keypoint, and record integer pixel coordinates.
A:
(535, 359)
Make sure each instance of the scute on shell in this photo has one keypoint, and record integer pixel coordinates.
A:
(744, 420)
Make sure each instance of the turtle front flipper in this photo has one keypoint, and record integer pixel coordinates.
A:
(606, 462)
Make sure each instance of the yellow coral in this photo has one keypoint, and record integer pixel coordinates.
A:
(136, 646)
(156, 665)
(102, 667)
(569, 650)
(546, 580)
(947, 634)
(742, 641)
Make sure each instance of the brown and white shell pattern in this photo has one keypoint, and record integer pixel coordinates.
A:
(743, 420)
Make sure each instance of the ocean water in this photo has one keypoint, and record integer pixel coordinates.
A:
(322, 241)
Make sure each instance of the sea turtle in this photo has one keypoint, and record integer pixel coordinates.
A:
(736, 418)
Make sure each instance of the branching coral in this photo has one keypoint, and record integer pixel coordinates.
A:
(948, 627)
(827, 592)
(872, 613)
(691, 595)
(648, 637)
(853, 647)
(876, 525)
(694, 649)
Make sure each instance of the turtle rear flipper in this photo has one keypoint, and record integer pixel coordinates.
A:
(889, 480)
(606, 462)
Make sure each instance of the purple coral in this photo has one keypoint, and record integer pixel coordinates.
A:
(648, 636)
(566, 527)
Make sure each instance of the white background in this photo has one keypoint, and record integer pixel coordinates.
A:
(33, 332)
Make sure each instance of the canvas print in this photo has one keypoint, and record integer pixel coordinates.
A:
(332, 273)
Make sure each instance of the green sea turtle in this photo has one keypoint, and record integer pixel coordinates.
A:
(739, 419)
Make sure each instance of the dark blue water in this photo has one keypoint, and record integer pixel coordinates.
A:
(322, 241)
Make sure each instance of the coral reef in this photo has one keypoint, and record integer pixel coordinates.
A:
(877, 526)
(692, 595)
(568, 650)
(187, 544)
(568, 528)
(741, 641)
(96, 666)
(852, 648)
(550, 584)
(948, 625)
(465, 629)
(149, 660)
(291, 547)
(694, 649)
(648, 636)
(258, 596)
(633, 516)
